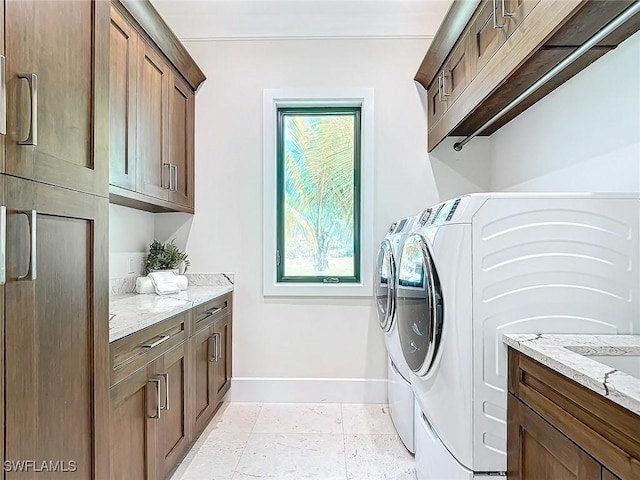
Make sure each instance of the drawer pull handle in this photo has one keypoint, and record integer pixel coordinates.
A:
(32, 218)
(166, 391)
(505, 13)
(212, 312)
(163, 338)
(158, 399)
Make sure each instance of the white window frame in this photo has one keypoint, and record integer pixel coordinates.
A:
(278, 98)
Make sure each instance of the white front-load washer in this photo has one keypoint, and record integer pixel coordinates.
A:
(400, 393)
(488, 264)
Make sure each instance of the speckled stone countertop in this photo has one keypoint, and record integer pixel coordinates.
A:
(565, 355)
(130, 312)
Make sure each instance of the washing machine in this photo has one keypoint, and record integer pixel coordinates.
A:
(400, 393)
(483, 265)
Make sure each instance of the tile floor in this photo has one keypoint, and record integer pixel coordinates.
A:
(298, 441)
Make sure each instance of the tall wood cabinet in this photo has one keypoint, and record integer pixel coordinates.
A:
(54, 188)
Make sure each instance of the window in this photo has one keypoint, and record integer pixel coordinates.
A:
(318, 194)
(317, 179)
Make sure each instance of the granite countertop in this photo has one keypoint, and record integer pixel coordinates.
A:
(131, 312)
(565, 355)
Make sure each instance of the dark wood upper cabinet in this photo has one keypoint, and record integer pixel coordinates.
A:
(56, 328)
(123, 69)
(512, 44)
(153, 110)
(557, 428)
(181, 142)
(57, 92)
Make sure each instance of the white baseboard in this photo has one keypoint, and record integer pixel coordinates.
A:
(308, 390)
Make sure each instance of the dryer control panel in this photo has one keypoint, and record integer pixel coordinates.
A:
(444, 212)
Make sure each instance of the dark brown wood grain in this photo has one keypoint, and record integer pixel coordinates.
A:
(181, 140)
(123, 69)
(203, 374)
(222, 366)
(174, 426)
(536, 450)
(71, 65)
(56, 330)
(445, 38)
(603, 429)
(159, 32)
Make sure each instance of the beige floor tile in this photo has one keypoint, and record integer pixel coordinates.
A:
(367, 419)
(235, 417)
(379, 457)
(299, 418)
(293, 457)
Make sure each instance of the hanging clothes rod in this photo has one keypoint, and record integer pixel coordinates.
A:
(598, 37)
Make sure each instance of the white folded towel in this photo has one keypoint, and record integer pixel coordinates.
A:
(164, 282)
(146, 285)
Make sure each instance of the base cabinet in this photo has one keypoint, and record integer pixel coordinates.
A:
(558, 429)
(162, 407)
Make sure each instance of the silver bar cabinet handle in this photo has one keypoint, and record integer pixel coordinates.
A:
(216, 350)
(212, 358)
(504, 9)
(32, 80)
(158, 399)
(166, 176)
(3, 245)
(495, 16)
(163, 338)
(3, 96)
(444, 84)
(32, 217)
(166, 391)
(440, 88)
(174, 177)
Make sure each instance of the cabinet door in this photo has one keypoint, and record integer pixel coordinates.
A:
(122, 102)
(203, 373)
(222, 332)
(437, 104)
(458, 72)
(487, 34)
(173, 425)
(58, 108)
(181, 126)
(153, 110)
(536, 450)
(513, 12)
(57, 328)
(135, 403)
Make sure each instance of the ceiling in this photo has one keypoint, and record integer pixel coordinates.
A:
(247, 19)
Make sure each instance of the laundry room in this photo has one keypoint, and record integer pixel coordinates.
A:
(320, 239)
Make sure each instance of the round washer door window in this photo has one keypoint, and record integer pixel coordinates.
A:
(419, 306)
(385, 286)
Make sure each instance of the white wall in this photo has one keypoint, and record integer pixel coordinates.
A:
(584, 136)
(304, 337)
(130, 233)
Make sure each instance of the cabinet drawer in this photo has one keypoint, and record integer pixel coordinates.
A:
(206, 314)
(134, 351)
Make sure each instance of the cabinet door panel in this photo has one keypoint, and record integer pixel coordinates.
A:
(152, 144)
(458, 70)
(122, 102)
(56, 329)
(537, 450)
(486, 37)
(513, 12)
(65, 44)
(222, 366)
(134, 428)
(181, 117)
(437, 105)
(173, 425)
(203, 371)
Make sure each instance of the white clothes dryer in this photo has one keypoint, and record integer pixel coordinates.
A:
(488, 264)
(400, 393)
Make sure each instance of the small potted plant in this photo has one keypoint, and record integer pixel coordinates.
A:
(166, 256)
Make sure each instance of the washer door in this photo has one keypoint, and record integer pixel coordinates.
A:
(420, 308)
(385, 286)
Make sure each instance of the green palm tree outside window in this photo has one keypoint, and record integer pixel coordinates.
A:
(318, 195)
